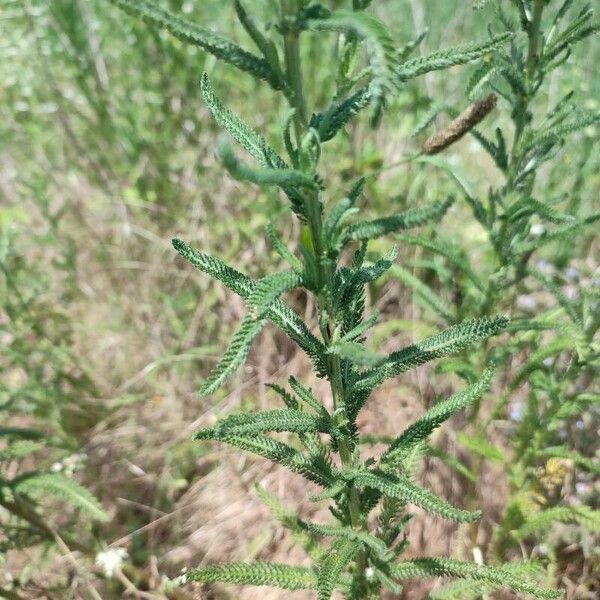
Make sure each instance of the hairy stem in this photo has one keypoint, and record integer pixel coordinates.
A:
(289, 11)
(325, 270)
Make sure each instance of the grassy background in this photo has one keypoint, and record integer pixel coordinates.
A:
(107, 154)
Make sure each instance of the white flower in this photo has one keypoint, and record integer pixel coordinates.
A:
(110, 560)
(56, 467)
(369, 573)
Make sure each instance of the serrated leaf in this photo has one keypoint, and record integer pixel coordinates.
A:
(281, 314)
(280, 176)
(281, 248)
(250, 140)
(375, 544)
(453, 253)
(542, 521)
(56, 484)
(279, 419)
(209, 41)
(402, 488)
(333, 564)
(449, 341)
(424, 295)
(382, 55)
(435, 416)
(447, 567)
(480, 77)
(269, 288)
(480, 446)
(472, 589)
(235, 356)
(413, 217)
(315, 468)
(289, 518)
(339, 113)
(449, 57)
(282, 576)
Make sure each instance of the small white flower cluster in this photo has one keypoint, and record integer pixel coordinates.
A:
(111, 560)
(69, 465)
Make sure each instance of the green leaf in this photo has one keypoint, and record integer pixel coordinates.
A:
(447, 567)
(39, 485)
(449, 341)
(375, 544)
(452, 252)
(402, 488)
(339, 113)
(459, 177)
(382, 55)
(269, 288)
(435, 416)
(250, 140)
(449, 57)
(281, 314)
(315, 468)
(538, 523)
(413, 217)
(209, 41)
(282, 576)
(356, 353)
(333, 564)
(480, 446)
(281, 248)
(289, 518)
(236, 354)
(244, 135)
(20, 449)
(282, 177)
(364, 275)
(22, 433)
(472, 589)
(564, 232)
(279, 419)
(480, 77)
(306, 395)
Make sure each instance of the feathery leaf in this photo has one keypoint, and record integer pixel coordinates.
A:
(282, 576)
(209, 41)
(39, 485)
(447, 567)
(333, 564)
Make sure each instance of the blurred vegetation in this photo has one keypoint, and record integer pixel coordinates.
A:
(107, 153)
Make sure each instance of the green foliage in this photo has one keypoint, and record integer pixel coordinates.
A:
(333, 564)
(525, 219)
(42, 485)
(42, 382)
(282, 576)
(333, 267)
(191, 33)
(445, 567)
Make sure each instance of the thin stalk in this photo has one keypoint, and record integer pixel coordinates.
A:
(325, 271)
(289, 11)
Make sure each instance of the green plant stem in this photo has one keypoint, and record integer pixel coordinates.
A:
(289, 11)
(521, 110)
(325, 270)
